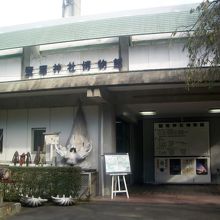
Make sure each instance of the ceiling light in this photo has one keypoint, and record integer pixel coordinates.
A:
(125, 114)
(118, 122)
(214, 110)
(148, 113)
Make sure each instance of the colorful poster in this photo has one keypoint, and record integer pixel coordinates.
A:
(188, 167)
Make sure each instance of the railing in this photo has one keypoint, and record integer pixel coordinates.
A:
(88, 184)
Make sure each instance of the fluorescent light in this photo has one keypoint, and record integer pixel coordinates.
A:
(214, 110)
(118, 122)
(148, 113)
(125, 114)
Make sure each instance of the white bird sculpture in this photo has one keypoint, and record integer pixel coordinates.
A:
(78, 146)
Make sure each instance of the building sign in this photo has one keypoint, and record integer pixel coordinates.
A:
(71, 67)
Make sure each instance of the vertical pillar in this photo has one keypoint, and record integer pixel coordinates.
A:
(107, 144)
(124, 42)
(26, 59)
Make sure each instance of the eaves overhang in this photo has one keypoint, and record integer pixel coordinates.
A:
(166, 76)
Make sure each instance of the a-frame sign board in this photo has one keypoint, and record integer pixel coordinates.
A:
(117, 166)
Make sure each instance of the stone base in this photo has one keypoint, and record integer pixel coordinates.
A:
(8, 209)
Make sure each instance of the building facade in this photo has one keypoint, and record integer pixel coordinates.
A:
(117, 66)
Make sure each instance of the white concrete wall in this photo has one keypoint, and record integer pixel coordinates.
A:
(158, 55)
(16, 129)
(17, 125)
(150, 55)
(10, 69)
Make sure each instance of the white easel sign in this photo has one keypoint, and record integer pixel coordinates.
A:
(117, 166)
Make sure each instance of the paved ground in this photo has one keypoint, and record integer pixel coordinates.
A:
(151, 202)
(122, 211)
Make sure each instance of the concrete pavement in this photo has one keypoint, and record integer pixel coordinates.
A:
(149, 202)
(122, 210)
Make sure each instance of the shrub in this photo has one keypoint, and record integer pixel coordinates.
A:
(42, 181)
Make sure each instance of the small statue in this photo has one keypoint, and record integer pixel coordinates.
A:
(37, 157)
(15, 158)
(42, 159)
(28, 159)
(22, 159)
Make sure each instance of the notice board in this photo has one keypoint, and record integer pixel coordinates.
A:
(51, 138)
(181, 139)
(117, 164)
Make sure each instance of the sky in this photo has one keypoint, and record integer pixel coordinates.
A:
(13, 12)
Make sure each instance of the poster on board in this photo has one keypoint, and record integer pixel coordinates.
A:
(117, 164)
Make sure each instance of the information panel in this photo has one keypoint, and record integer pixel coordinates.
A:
(51, 138)
(117, 164)
(181, 139)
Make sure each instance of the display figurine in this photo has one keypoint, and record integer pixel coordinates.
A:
(22, 159)
(42, 159)
(15, 158)
(37, 157)
(28, 159)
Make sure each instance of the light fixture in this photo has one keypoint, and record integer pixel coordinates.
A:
(126, 114)
(147, 113)
(214, 111)
(118, 122)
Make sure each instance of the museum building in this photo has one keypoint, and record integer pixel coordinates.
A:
(127, 73)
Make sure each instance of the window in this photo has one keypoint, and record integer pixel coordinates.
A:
(1, 140)
(38, 138)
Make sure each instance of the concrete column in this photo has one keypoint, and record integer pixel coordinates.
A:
(26, 59)
(107, 144)
(148, 151)
(124, 52)
(215, 149)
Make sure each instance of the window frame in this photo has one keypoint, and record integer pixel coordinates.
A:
(33, 138)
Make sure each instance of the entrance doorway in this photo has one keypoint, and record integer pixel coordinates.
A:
(129, 139)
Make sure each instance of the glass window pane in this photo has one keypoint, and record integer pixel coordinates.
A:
(38, 138)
